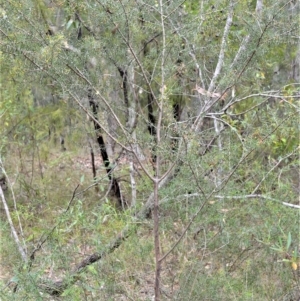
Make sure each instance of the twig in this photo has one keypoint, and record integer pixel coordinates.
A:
(15, 206)
(276, 165)
(12, 227)
(256, 196)
(240, 51)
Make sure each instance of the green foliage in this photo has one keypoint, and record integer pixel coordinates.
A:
(241, 251)
(234, 171)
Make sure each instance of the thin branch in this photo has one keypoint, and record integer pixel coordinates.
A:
(256, 196)
(132, 183)
(233, 130)
(240, 51)
(12, 227)
(223, 47)
(276, 165)
(15, 206)
(266, 94)
(230, 104)
(219, 63)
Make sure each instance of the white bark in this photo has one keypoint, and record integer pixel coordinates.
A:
(132, 184)
(256, 196)
(222, 50)
(12, 227)
(218, 67)
(240, 51)
(259, 6)
(217, 125)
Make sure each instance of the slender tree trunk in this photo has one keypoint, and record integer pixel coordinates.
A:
(115, 187)
(124, 75)
(93, 166)
(152, 125)
(156, 241)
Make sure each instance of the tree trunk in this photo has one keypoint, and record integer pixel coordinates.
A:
(115, 187)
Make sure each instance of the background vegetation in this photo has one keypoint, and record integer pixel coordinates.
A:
(149, 150)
